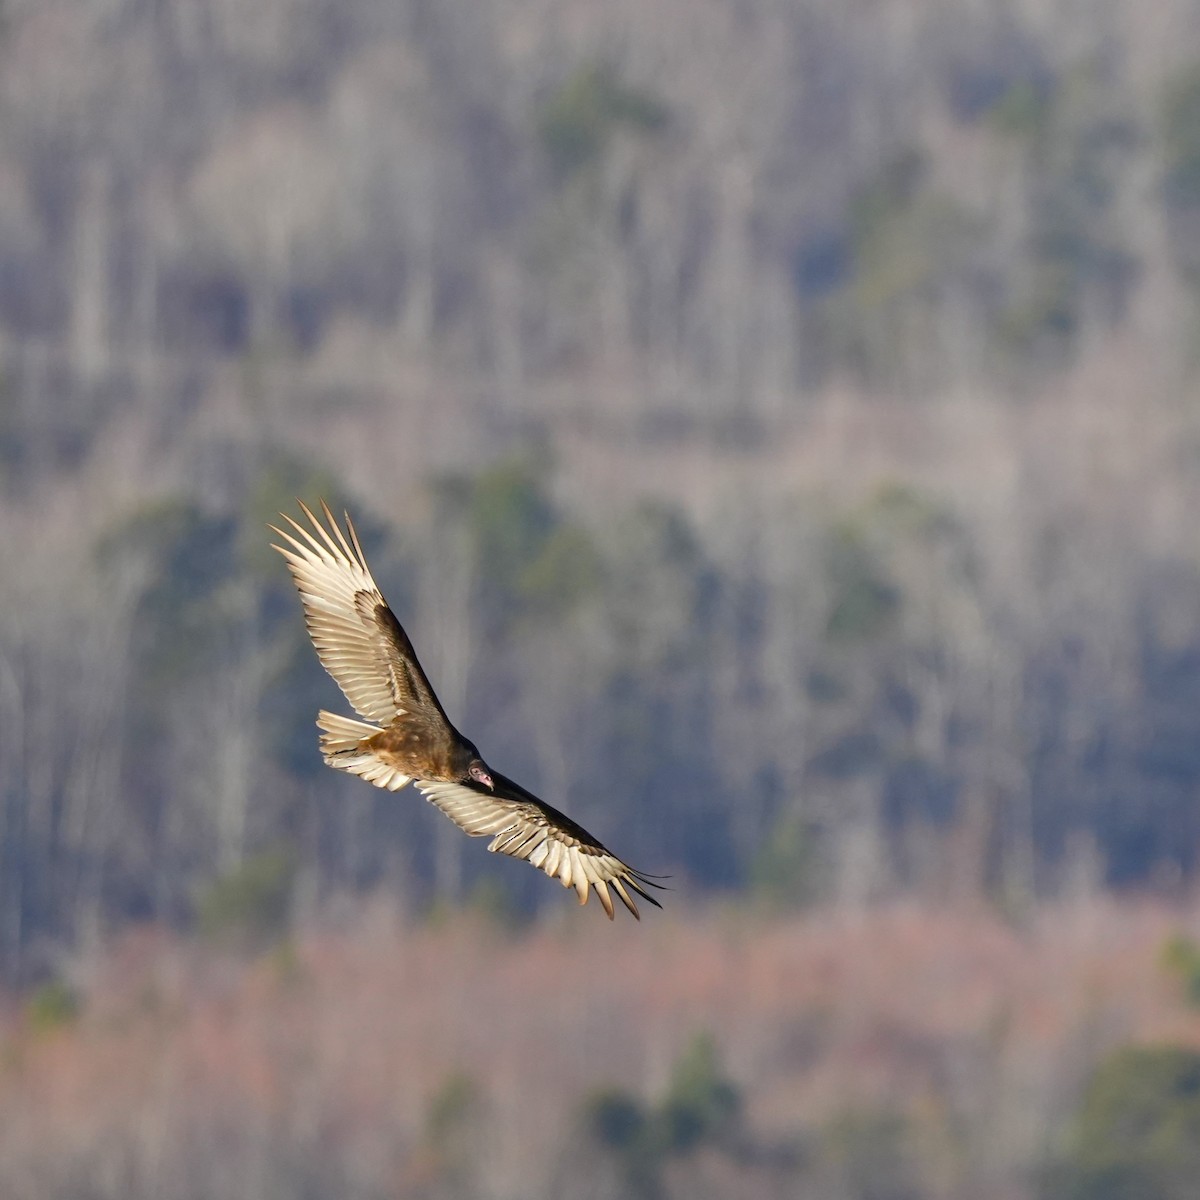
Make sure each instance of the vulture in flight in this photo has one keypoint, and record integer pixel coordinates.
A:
(406, 736)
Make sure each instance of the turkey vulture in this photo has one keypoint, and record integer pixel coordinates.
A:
(410, 738)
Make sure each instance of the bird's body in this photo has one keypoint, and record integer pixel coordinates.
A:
(413, 747)
(406, 735)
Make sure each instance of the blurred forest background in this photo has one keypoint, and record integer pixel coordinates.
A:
(776, 423)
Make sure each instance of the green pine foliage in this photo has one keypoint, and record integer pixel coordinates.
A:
(700, 1108)
(1137, 1133)
(579, 119)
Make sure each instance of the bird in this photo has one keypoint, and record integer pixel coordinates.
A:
(405, 736)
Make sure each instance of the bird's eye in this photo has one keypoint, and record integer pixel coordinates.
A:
(480, 775)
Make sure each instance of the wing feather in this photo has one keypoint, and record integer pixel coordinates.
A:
(605, 898)
(357, 636)
(522, 826)
(331, 579)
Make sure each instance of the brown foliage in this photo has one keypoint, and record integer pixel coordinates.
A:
(390, 1059)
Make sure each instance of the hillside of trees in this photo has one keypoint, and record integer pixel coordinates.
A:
(781, 441)
(777, 426)
(906, 1053)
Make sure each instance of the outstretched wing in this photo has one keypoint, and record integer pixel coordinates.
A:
(522, 826)
(357, 637)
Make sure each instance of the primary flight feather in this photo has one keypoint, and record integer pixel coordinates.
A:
(406, 735)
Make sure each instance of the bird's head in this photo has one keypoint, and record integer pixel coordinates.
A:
(478, 771)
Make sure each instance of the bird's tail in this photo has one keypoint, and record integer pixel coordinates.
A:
(342, 745)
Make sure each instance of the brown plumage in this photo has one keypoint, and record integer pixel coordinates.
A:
(410, 738)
